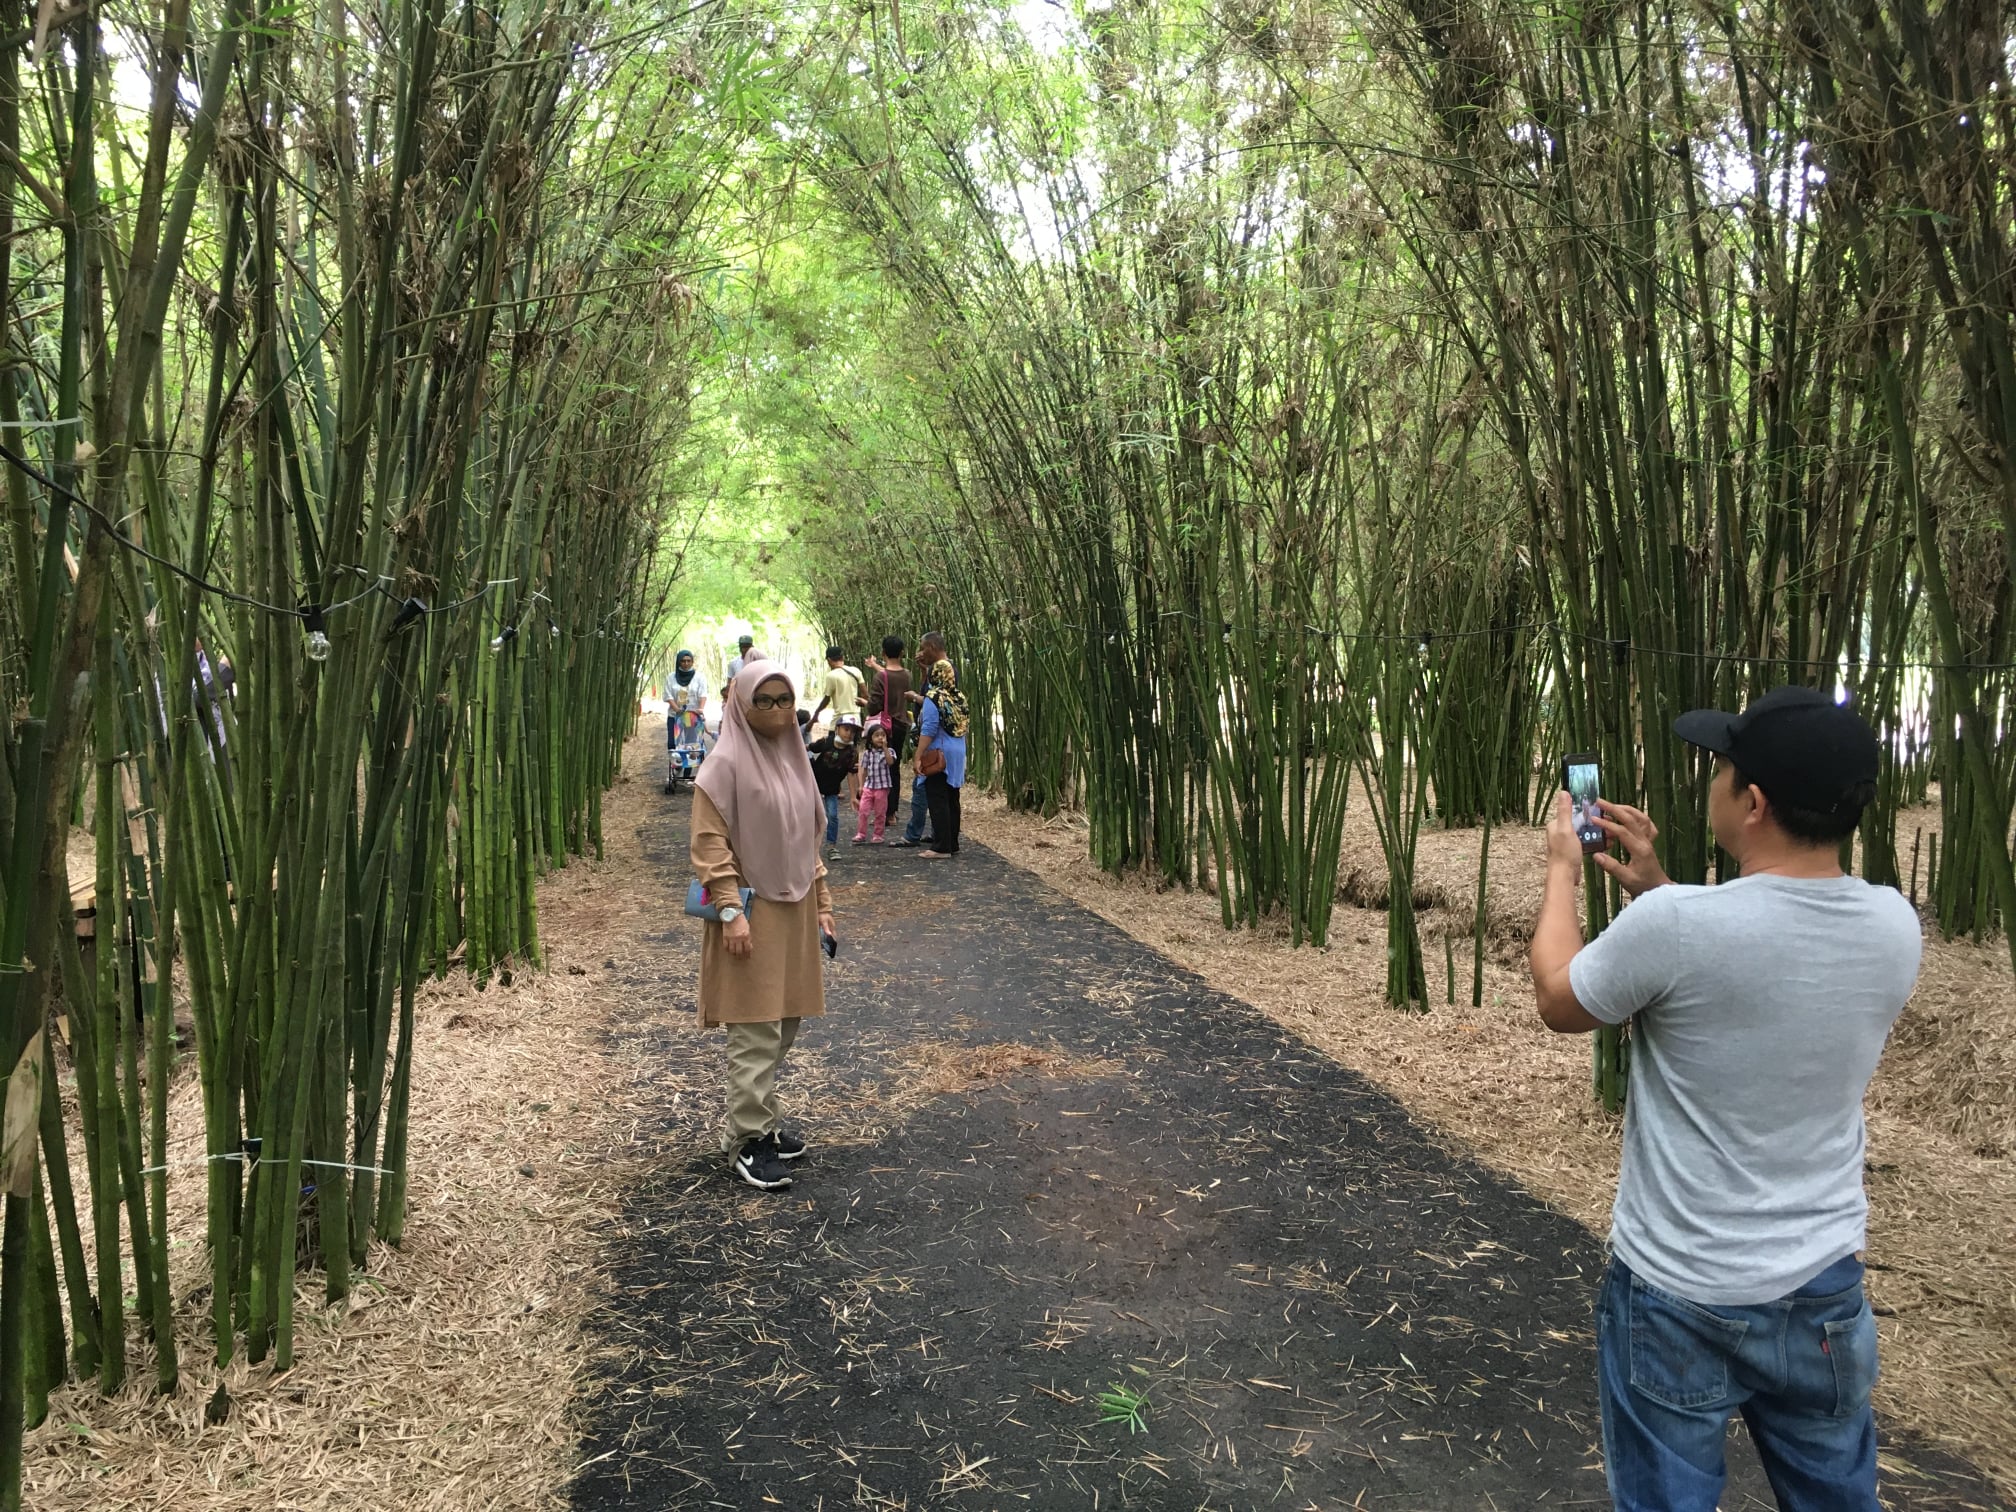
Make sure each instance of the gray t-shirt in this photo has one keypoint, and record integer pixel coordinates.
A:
(1761, 1008)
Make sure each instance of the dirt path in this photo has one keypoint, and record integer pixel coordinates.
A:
(1046, 1162)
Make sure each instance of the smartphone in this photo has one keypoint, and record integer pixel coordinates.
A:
(1580, 777)
(830, 944)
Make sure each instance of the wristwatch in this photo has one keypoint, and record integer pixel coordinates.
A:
(730, 913)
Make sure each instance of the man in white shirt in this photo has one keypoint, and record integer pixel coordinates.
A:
(745, 652)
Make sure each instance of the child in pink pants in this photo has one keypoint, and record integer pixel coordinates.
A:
(878, 781)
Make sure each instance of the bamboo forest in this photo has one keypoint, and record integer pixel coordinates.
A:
(1306, 423)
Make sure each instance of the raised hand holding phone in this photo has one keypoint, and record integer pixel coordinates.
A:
(1634, 829)
(1564, 846)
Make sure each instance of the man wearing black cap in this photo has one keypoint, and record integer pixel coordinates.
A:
(1759, 1009)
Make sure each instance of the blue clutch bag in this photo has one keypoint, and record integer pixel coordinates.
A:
(701, 904)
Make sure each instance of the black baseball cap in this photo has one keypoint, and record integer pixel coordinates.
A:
(1797, 744)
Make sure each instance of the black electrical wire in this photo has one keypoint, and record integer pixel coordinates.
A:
(111, 529)
(1622, 647)
(413, 608)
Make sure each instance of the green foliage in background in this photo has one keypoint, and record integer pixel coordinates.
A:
(1280, 407)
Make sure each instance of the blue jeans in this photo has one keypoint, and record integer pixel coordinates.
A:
(832, 817)
(920, 812)
(1671, 1372)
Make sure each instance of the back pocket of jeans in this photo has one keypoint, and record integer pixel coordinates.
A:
(1851, 1349)
(1680, 1353)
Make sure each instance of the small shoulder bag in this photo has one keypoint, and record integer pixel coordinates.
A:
(887, 718)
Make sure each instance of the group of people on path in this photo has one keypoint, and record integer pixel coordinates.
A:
(873, 723)
(1758, 1010)
(861, 755)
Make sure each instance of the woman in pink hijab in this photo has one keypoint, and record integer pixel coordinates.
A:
(756, 824)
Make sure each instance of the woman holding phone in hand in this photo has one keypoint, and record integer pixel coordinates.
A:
(756, 824)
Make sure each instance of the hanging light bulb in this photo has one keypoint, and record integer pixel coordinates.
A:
(316, 643)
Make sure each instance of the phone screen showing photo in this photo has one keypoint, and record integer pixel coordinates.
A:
(1582, 790)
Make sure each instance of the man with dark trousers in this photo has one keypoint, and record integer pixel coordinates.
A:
(889, 693)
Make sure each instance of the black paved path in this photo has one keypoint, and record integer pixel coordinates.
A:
(1134, 1180)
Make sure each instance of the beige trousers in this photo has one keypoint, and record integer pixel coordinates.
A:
(754, 1053)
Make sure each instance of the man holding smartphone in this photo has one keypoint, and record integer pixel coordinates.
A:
(1759, 1009)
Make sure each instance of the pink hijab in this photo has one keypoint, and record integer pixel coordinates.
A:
(764, 789)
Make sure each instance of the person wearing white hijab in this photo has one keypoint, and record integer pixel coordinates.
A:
(756, 824)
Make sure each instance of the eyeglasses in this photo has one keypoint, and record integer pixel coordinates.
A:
(767, 701)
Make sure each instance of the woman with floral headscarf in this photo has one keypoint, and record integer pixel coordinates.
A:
(941, 756)
(756, 823)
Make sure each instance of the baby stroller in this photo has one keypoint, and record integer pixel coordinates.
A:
(686, 747)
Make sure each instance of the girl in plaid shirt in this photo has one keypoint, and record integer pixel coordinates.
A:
(878, 781)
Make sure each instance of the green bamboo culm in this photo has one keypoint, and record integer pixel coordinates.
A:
(351, 565)
(1458, 418)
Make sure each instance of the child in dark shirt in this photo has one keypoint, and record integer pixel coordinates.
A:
(834, 757)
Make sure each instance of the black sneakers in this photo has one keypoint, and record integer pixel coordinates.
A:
(787, 1145)
(757, 1164)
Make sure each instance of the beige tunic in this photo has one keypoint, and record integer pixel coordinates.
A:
(780, 979)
